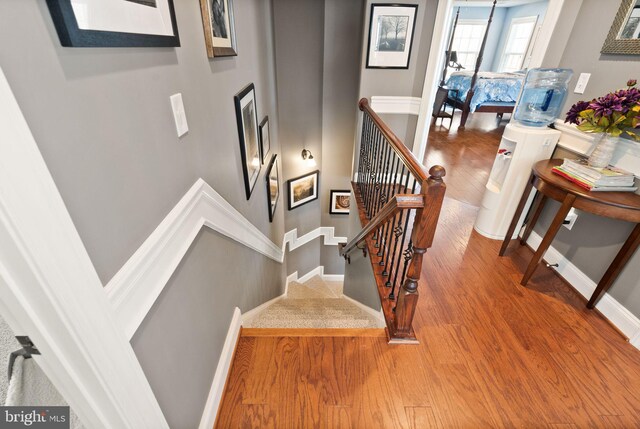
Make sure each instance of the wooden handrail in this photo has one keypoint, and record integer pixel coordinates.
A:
(393, 206)
(408, 158)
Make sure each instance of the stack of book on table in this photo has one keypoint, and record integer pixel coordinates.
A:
(611, 179)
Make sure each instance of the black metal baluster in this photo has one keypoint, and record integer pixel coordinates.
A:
(364, 153)
(387, 226)
(393, 248)
(386, 239)
(376, 179)
(363, 146)
(380, 194)
(367, 173)
(384, 167)
(372, 171)
(406, 226)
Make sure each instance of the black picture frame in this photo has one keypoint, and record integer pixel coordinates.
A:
(264, 131)
(219, 45)
(247, 121)
(71, 35)
(391, 63)
(291, 183)
(334, 202)
(272, 177)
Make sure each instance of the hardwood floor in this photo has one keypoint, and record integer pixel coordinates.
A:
(467, 155)
(492, 353)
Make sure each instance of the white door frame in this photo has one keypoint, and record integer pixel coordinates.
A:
(440, 39)
(50, 291)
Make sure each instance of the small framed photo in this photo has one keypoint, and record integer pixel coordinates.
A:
(339, 202)
(128, 23)
(391, 35)
(273, 186)
(265, 141)
(302, 190)
(219, 28)
(247, 120)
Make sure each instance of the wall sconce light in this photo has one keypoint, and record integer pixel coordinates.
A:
(307, 156)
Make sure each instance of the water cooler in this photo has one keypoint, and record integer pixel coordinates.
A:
(526, 140)
(521, 147)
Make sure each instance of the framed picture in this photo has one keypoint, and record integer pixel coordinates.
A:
(273, 186)
(219, 28)
(124, 23)
(302, 190)
(265, 141)
(247, 120)
(391, 35)
(339, 202)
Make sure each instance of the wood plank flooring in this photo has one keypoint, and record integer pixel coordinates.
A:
(492, 354)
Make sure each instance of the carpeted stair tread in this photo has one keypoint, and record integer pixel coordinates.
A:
(314, 304)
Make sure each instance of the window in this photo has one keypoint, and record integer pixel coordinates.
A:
(517, 44)
(467, 41)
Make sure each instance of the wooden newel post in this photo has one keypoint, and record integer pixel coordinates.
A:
(424, 229)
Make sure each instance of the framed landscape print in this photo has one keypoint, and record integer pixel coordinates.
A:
(302, 190)
(339, 202)
(121, 23)
(265, 138)
(247, 119)
(273, 186)
(391, 35)
(219, 28)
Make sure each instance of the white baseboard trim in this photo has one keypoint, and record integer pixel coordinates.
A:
(326, 232)
(222, 371)
(317, 271)
(622, 318)
(396, 105)
(377, 314)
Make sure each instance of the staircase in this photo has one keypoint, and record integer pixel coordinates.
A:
(315, 304)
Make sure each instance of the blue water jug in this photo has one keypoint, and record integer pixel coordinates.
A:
(542, 96)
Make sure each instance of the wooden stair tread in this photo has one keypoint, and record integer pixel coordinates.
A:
(304, 332)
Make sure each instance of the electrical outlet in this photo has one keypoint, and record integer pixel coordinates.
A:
(581, 85)
(570, 220)
(179, 115)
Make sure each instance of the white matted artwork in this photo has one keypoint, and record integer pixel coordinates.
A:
(391, 30)
(247, 119)
(219, 27)
(265, 138)
(339, 201)
(126, 23)
(302, 190)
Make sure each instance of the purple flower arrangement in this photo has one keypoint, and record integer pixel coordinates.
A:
(616, 113)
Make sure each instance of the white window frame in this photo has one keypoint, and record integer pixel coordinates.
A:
(527, 52)
(461, 22)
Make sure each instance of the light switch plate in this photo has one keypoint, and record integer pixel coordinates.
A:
(179, 115)
(581, 85)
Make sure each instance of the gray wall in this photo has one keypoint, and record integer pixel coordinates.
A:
(390, 82)
(341, 75)
(103, 122)
(299, 35)
(593, 242)
(359, 282)
(189, 321)
(317, 56)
